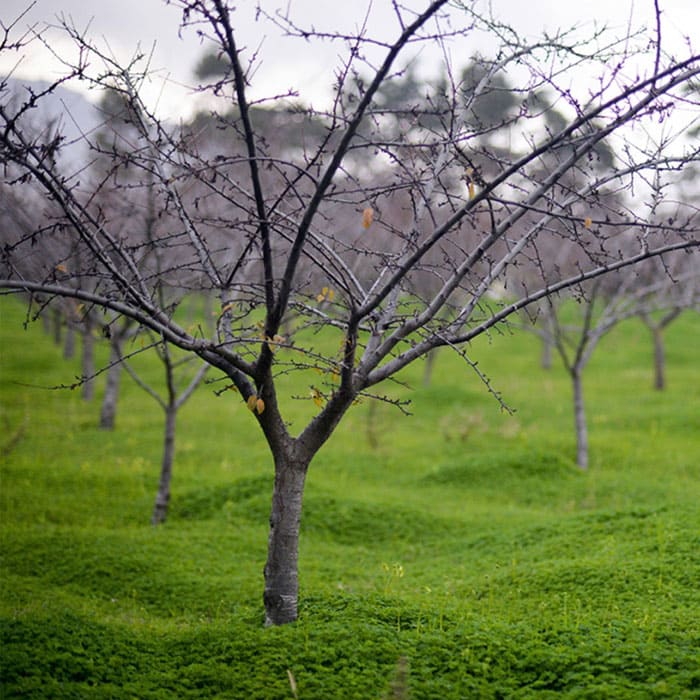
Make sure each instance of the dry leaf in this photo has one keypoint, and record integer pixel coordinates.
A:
(326, 294)
(367, 217)
(316, 396)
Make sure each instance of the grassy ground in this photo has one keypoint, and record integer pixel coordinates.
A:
(456, 553)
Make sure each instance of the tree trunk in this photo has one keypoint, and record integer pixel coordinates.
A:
(546, 355)
(108, 411)
(429, 366)
(550, 330)
(281, 570)
(46, 321)
(160, 508)
(69, 343)
(659, 359)
(57, 322)
(580, 421)
(88, 362)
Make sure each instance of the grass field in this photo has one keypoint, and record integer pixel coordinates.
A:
(454, 553)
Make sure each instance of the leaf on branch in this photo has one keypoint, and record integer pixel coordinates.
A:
(61, 268)
(316, 396)
(327, 294)
(274, 342)
(588, 222)
(471, 187)
(255, 404)
(367, 217)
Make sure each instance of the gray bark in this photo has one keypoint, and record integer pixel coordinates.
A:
(69, 343)
(292, 458)
(546, 354)
(429, 366)
(281, 570)
(57, 322)
(46, 322)
(160, 508)
(108, 411)
(659, 359)
(580, 421)
(88, 361)
(548, 337)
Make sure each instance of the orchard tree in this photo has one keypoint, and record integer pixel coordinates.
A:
(576, 327)
(309, 233)
(672, 298)
(171, 402)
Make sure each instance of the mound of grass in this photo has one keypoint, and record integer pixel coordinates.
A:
(455, 553)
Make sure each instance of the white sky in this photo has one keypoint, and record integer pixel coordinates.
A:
(123, 24)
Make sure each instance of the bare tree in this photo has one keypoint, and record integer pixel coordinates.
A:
(677, 289)
(600, 306)
(118, 330)
(308, 232)
(171, 403)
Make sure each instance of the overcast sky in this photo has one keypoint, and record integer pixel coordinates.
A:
(123, 24)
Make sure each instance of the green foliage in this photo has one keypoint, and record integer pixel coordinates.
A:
(212, 65)
(459, 555)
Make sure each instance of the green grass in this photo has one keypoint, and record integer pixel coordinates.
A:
(460, 539)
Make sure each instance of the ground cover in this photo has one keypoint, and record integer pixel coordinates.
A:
(454, 553)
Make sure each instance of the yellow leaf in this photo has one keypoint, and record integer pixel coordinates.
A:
(327, 294)
(273, 343)
(367, 217)
(472, 190)
(259, 406)
(226, 308)
(588, 222)
(61, 268)
(316, 396)
(252, 401)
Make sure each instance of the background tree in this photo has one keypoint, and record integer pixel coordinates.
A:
(677, 289)
(577, 327)
(308, 233)
(171, 402)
